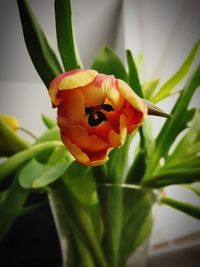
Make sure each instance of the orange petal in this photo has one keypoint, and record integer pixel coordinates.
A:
(76, 152)
(78, 79)
(94, 94)
(72, 106)
(134, 117)
(77, 135)
(98, 158)
(96, 144)
(109, 87)
(70, 80)
(116, 140)
(126, 91)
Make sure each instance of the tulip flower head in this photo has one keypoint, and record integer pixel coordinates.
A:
(95, 113)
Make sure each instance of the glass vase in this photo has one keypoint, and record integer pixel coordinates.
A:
(112, 232)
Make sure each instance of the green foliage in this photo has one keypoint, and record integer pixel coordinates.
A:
(82, 176)
(13, 163)
(50, 135)
(133, 76)
(12, 205)
(106, 61)
(43, 57)
(137, 222)
(48, 122)
(104, 212)
(175, 125)
(10, 141)
(167, 88)
(194, 189)
(189, 209)
(65, 38)
(149, 88)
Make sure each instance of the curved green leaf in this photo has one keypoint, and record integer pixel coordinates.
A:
(81, 183)
(149, 87)
(182, 175)
(133, 76)
(108, 62)
(51, 174)
(43, 57)
(10, 165)
(65, 39)
(166, 89)
(30, 172)
(189, 209)
(173, 126)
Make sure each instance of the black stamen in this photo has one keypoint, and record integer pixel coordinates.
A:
(107, 107)
(88, 110)
(95, 115)
(96, 121)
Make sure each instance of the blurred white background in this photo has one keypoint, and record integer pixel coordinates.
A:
(163, 31)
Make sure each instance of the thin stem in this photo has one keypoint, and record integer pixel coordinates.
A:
(80, 223)
(27, 132)
(9, 166)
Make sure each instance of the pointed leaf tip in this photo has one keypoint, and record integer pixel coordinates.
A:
(156, 111)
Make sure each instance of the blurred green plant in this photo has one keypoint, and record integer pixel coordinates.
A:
(104, 213)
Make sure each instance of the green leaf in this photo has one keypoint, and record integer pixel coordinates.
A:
(81, 183)
(3, 196)
(36, 175)
(188, 145)
(189, 209)
(65, 39)
(138, 61)
(133, 76)
(194, 189)
(118, 162)
(50, 175)
(181, 175)
(43, 57)
(10, 142)
(78, 218)
(166, 89)
(60, 155)
(108, 62)
(12, 206)
(137, 223)
(113, 212)
(50, 135)
(172, 127)
(137, 169)
(149, 87)
(30, 172)
(14, 162)
(49, 122)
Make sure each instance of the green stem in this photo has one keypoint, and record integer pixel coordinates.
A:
(10, 142)
(111, 201)
(80, 224)
(10, 165)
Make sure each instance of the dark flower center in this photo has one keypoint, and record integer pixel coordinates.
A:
(96, 116)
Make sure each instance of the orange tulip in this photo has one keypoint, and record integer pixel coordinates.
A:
(95, 113)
